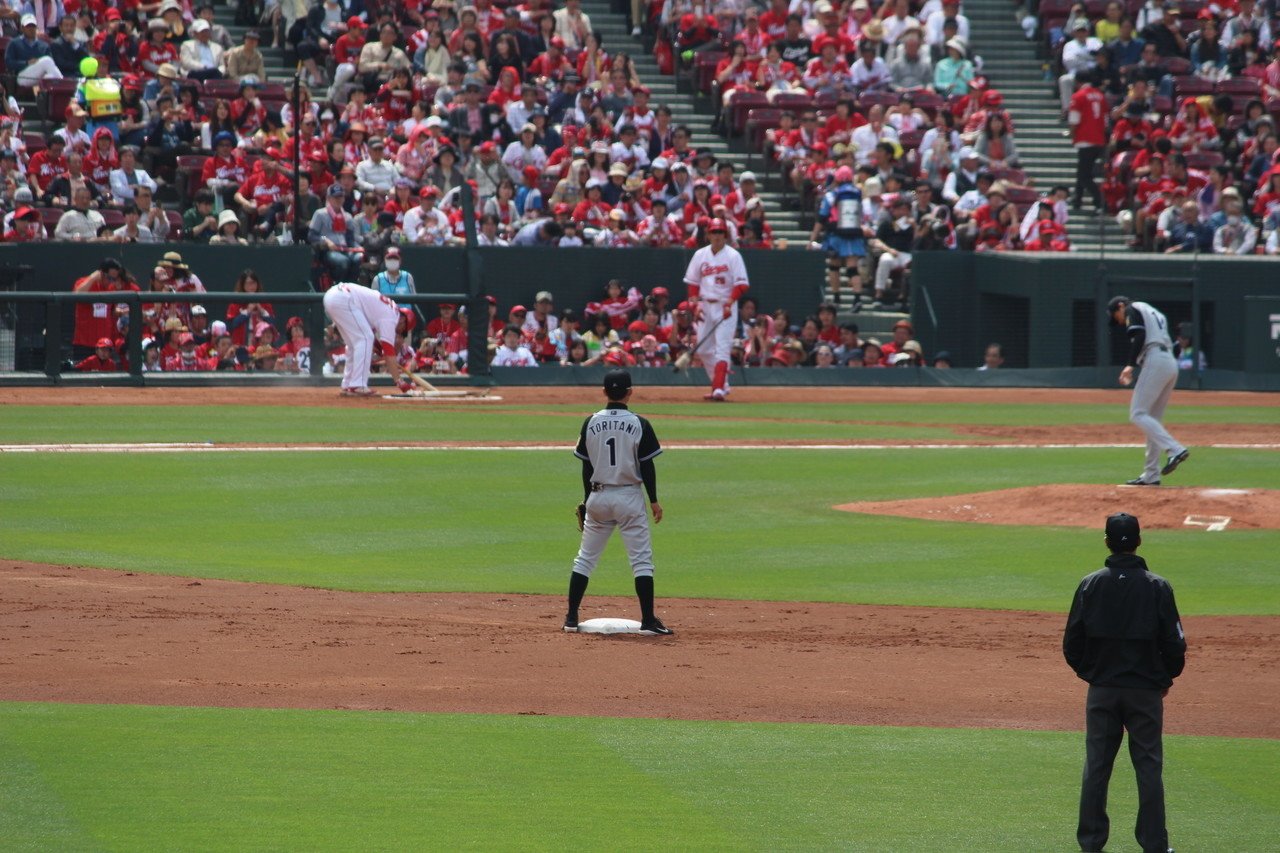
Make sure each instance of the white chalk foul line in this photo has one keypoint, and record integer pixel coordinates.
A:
(208, 447)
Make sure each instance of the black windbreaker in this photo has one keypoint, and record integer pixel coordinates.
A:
(1124, 629)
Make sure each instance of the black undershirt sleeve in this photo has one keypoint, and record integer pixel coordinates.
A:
(588, 471)
(649, 474)
(1137, 335)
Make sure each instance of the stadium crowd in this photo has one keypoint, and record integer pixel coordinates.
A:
(624, 327)
(1179, 100)
(553, 132)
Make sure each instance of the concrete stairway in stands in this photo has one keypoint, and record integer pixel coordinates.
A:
(1014, 66)
(696, 112)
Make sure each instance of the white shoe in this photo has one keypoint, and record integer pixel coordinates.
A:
(635, 32)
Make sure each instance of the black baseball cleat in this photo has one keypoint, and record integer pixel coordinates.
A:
(570, 625)
(1138, 481)
(655, 628)
(1174, 462)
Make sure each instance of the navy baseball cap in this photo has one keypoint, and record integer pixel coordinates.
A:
(1116, 302)
(617, 383)
(1123, 532)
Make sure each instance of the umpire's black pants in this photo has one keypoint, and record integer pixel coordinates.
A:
(1109, 712)
(1086, 159)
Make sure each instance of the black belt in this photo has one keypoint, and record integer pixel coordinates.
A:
(600, 487)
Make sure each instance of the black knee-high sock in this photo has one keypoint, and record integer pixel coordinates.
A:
(577, 589)
(644, 591)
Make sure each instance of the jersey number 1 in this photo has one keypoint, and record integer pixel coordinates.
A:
(612, 444)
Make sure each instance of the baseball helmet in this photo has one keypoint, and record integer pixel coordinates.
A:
(410, 319)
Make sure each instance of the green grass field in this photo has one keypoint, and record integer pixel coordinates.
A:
(740, 524)
(131, 778)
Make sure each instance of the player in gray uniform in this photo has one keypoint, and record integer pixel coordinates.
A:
(1151, 348)
(617, 448)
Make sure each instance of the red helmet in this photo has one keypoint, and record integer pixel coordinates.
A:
(410, 319)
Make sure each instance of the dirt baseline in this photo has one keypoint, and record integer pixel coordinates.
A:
(87, 635)
(1071, 505)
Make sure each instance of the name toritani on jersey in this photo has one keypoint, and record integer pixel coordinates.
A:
(615, 442)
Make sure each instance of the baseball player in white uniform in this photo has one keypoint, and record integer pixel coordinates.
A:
(1151, 348)
(365, 317)
(717, 279)
(617, 448)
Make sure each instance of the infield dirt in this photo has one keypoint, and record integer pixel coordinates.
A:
(89, 635)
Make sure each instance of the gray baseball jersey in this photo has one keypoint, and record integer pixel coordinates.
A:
(615, 441)
(1153, 324)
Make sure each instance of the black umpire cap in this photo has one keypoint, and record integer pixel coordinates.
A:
(617, 383)
(1123, 532)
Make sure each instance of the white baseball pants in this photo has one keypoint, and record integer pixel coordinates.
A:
(1151, 395)
(622, 507)
(357, 334)
(720, 347)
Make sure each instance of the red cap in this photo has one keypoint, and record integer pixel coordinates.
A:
(487, 146)
(992, 98)
(688, 21)
(112, 15)
(518, 309)
(717, 224)
(492, 300)
(450, 305)
(131, 81)
(684, 306)
(556, 41)
(354, 23)
(638, 326)
(393, 252)
(183, 339)
(429, 191)
(271, 153)
(24, 211)
(293, 321)
(660, 291)
(531, 172)
(319, 157)
(642, 90)
(410, 319)
(104, 342)
(562, 209)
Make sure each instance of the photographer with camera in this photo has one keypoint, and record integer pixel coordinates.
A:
(96, 320)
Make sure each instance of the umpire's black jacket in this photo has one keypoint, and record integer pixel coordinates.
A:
(1124, 629)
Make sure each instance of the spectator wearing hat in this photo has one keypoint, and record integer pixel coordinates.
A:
(25, 227)
(265, 193)
(486, 169)
(29, 56)
(953, 74)
(102, 360)
(1078, 54)
(840, 225)
(964, 178)
(523, 152)
(200, 57)
(426, 225)
(903, 333)
(346, 56)
(333, 235)
(228, 230)
(375, 173)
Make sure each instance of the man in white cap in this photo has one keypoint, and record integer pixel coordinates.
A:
(963, 179)
(28, 55)
(200, 56)
(1077, 55)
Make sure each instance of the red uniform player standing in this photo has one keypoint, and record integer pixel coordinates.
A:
(717, 279)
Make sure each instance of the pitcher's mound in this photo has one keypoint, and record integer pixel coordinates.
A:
(1073, 505)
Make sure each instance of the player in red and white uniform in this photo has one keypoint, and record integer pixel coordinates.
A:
(366, 319)
(717, 279)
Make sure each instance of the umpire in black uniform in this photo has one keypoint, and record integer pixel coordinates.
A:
(1124, 637)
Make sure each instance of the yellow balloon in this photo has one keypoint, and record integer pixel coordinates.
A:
(88, 67)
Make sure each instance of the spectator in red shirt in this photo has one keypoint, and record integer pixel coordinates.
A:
(95, 320)
(47, 165)
(102, 360)
(1088, 119)
(265, 195)
(346, 53)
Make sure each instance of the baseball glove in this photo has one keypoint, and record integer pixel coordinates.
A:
(582, 516)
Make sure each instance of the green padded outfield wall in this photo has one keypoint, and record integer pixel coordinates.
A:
(1045, 309)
